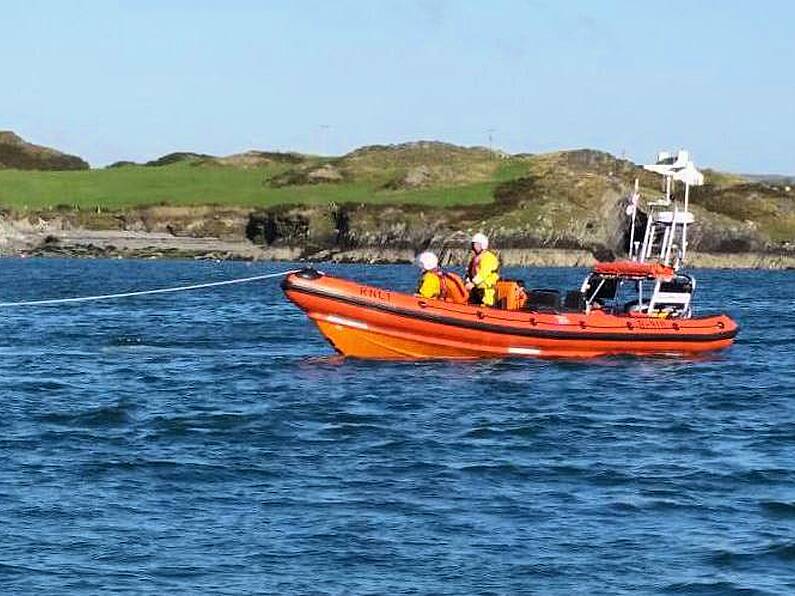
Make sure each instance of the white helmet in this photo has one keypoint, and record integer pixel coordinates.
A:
(428, 261)
(481, 239)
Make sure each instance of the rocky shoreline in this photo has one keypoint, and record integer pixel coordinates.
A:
(313, 234)
(163, 246)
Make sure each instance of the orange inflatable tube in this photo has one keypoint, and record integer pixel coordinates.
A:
(369, 322)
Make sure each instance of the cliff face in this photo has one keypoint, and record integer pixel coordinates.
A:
(18, 154)
(745, 217)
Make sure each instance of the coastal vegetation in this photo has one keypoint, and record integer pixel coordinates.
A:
(421, 173)
(408, 195)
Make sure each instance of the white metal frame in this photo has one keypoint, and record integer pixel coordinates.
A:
(681, 300)
(665, 235)
(673, 227)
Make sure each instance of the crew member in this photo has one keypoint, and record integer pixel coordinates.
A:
(483, 272)
(432, 281)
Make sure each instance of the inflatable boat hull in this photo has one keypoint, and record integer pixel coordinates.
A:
(368, 322)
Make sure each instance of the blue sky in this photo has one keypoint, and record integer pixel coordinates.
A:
(111, 80)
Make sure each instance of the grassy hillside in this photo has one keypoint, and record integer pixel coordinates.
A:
(561, 199)
(365, 176)
(19, 154)
(181, 184)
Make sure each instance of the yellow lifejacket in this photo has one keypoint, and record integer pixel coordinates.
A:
(430, 285)
(484, 273)
(443, 285)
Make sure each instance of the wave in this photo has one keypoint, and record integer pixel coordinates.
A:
(780, 552)
(778, 508)
(712, 588)
(115, 415)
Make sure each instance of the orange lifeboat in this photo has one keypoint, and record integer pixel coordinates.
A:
(369, 322)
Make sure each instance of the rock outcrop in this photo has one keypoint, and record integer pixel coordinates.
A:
(417, 177)
(178, 157)
(258, 159)
(307, 174)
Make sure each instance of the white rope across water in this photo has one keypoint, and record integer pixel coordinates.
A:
(212, 284)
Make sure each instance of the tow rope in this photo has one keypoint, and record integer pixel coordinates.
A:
(213, 284)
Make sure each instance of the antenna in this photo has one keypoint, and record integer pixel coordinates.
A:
(634, 200)
(491, 132)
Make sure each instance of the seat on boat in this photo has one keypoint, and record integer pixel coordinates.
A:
(673, 298)
(574, 301)
(543, 300)
(510, 294)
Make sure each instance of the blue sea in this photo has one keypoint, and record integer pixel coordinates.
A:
(210, 442)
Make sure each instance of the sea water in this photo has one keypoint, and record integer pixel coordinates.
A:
(210, 442)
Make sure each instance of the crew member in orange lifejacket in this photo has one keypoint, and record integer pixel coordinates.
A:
(439, 284)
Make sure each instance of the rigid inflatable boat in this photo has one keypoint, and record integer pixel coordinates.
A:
(369, 322)
(640, 306)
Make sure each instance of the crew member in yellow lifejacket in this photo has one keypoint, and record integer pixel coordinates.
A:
(483, 272)
(439, 284)
(432, 280)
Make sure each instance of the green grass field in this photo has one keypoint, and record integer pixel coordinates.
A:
(186, 184)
